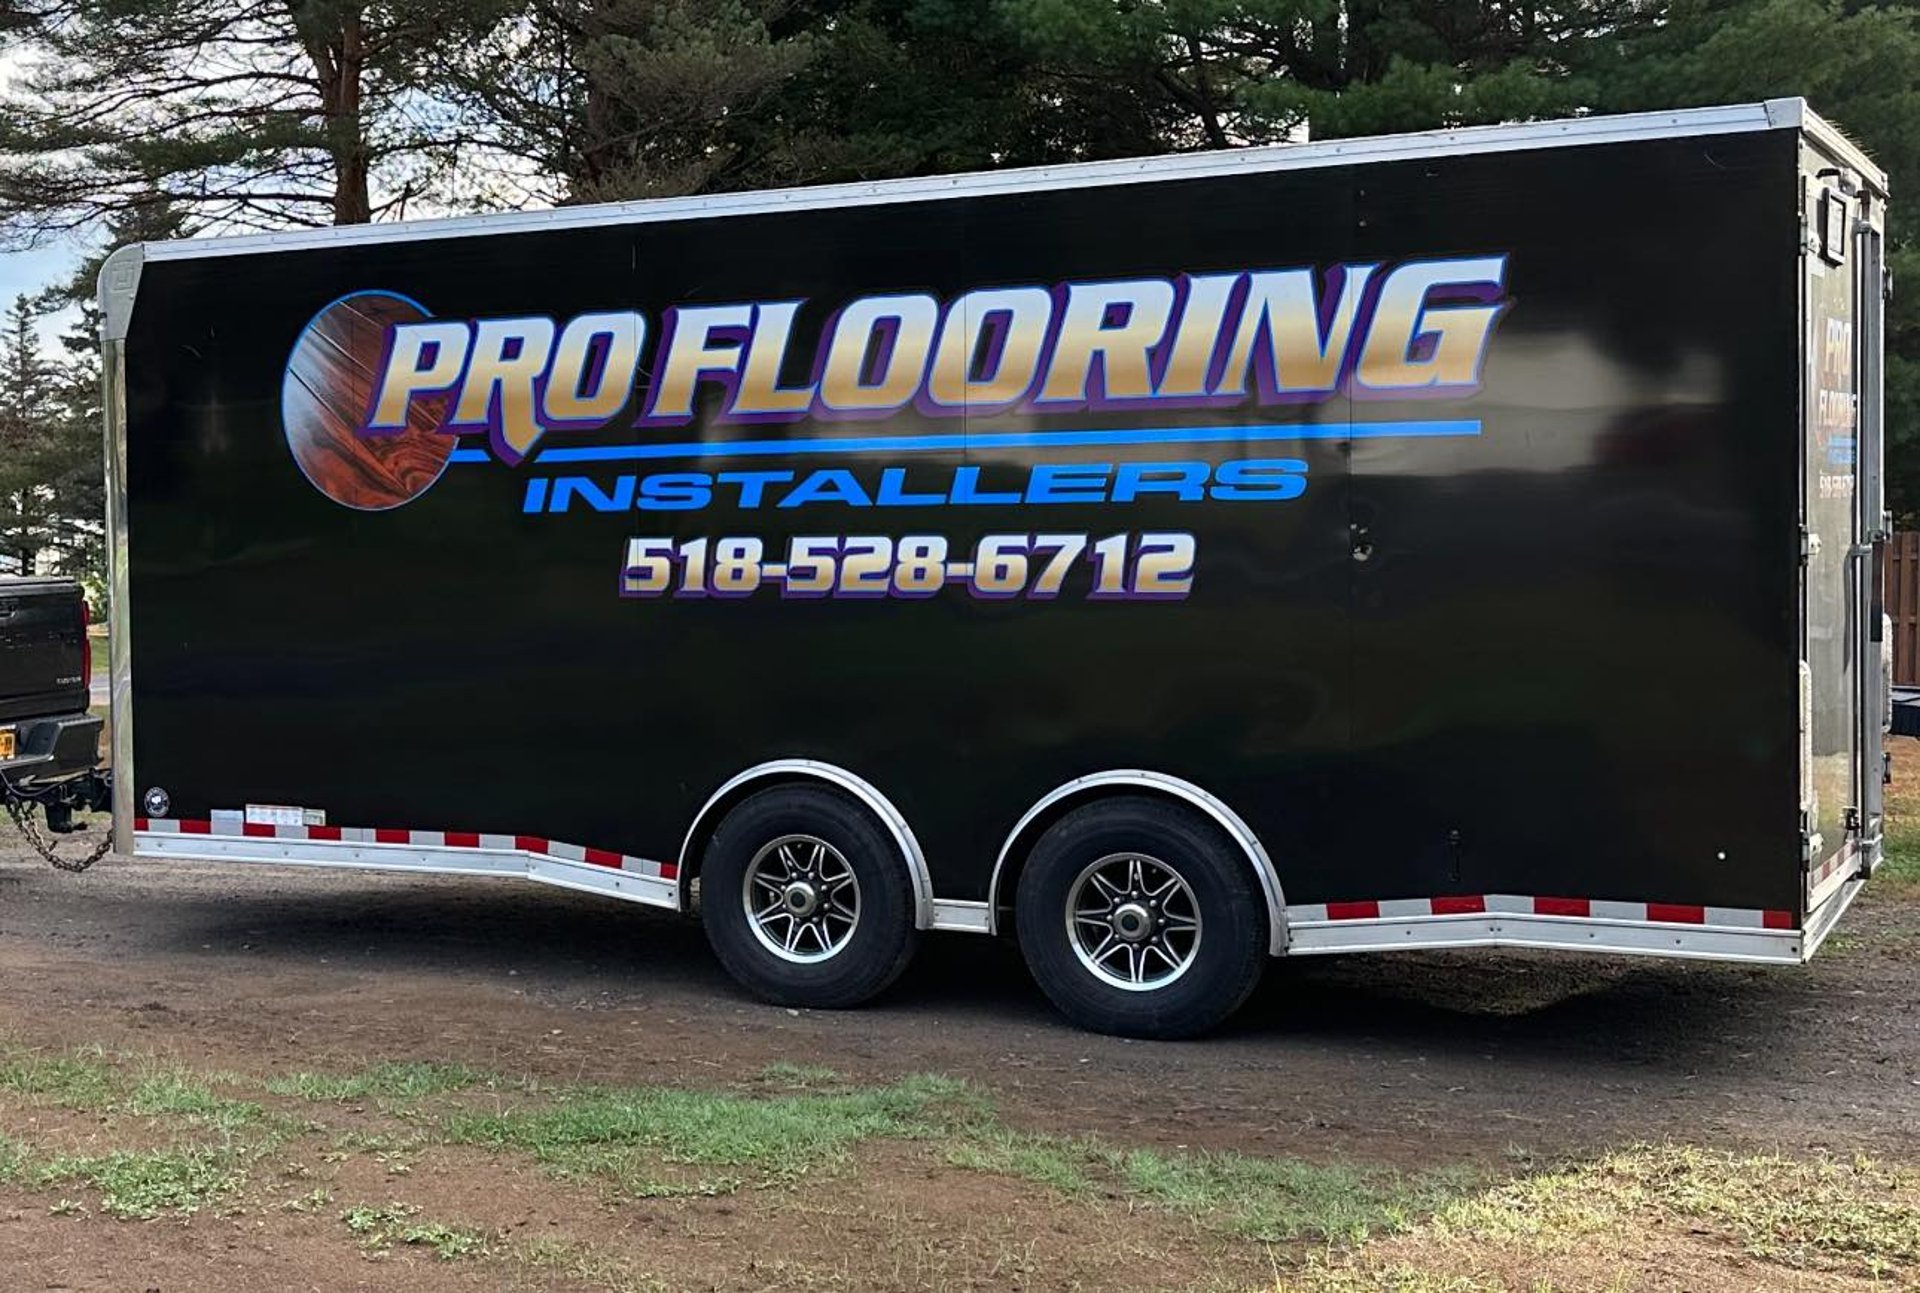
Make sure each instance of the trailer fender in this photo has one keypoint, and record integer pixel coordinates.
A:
(762, 775)
(1100, 784)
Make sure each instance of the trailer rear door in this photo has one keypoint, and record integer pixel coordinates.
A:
(1837, 521)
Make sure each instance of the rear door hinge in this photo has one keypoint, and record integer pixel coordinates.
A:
(1852, 817)
(1809, 544)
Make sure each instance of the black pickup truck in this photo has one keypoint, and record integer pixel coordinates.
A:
(49, 742)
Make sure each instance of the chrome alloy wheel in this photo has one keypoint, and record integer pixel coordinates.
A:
(1133, 922)
(802, 898)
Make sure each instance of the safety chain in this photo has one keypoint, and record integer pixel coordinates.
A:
(21, 810)
(22, 814)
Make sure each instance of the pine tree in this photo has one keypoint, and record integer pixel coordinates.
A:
(1858, 65)
(28, 418)
(244, 113)
(599, 100)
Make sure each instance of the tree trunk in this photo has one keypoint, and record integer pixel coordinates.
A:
(1208, 109)
(596, 157)
(339, 54)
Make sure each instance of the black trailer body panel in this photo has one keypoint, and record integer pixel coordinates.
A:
(1552, 655)
(1569, 645)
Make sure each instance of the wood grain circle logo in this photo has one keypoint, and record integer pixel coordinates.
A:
(325, 396)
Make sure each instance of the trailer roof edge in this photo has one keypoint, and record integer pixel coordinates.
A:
(1795, 114)
(1735, 119)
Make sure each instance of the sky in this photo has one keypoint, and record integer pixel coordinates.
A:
(32, 271)
(29, 271)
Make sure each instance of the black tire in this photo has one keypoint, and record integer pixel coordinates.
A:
(881, 940)
(1229, 948)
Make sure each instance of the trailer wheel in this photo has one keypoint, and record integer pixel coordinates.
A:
(1138, 918)
(805, 899)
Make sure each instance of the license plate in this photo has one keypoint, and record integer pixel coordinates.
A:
(6, 742)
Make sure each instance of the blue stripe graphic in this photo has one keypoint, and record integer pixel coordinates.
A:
(954, 443)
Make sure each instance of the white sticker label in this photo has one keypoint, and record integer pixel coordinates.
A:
(284, 815)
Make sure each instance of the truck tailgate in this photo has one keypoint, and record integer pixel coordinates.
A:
(43, 648)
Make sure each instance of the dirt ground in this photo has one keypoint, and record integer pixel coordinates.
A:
(1410, 1061)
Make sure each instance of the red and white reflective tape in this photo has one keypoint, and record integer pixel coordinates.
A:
(1500, 904)
(415, 839)
(1844, 857)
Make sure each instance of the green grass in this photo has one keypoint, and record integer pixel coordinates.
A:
(379, 1229)
(141, 1184)
(312, 1201)
(1284, 1199)
(132, 1183)
(1275, 1200)
(172, 1093)
(622, 1133)
(1337, 1228)
(411, 1081)
(1069, 1167)
(83, 1079)
(1589, 1224)
(582, 1263)
(1343, 1275)
(13, 1158)
(1899, 874)
(90, 1080)
(805, 1076)
(1853, 1213)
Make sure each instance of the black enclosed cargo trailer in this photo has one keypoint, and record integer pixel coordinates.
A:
(1443, 540)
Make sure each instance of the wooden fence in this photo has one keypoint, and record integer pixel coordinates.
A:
(1900, 578)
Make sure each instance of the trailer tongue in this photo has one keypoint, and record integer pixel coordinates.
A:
(1441, 540)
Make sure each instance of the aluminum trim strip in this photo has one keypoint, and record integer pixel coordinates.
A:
(1458, 906)
(1695, 942)
(634, 886)
(1821, 920)
(962, 917)
(113, 399)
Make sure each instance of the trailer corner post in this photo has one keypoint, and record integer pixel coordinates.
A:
(119, 281)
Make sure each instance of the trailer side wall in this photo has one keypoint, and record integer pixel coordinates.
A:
(1552, 655)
